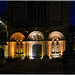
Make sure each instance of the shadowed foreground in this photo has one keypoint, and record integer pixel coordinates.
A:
(37, 66)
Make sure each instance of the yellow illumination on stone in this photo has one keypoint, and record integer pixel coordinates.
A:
(54, 37)
(17, 36)
(50, 57)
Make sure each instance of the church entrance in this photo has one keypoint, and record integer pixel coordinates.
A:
(36, 45)
(37, 51)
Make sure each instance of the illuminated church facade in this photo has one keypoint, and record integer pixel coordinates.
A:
(41, 29)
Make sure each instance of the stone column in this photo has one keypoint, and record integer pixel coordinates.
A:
(27, 49)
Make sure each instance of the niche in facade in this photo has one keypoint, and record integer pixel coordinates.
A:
(56, 45)
(36, 44)
(17, 45)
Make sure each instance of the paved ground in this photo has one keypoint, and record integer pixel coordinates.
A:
(37, 66)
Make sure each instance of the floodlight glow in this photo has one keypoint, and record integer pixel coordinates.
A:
(36, 35)
(2, 22)
(50, 57)
(56, 35)
(17, 36)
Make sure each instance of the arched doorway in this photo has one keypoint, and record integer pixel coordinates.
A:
(36, 50)
(35, 45)
(56, 45)
(1, 53)
(17, 45)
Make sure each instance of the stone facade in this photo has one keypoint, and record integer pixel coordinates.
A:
(46, 17)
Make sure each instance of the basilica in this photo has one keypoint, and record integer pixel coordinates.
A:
(34, 29)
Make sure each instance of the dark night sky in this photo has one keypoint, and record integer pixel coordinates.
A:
(72, 14)
(3, 7)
